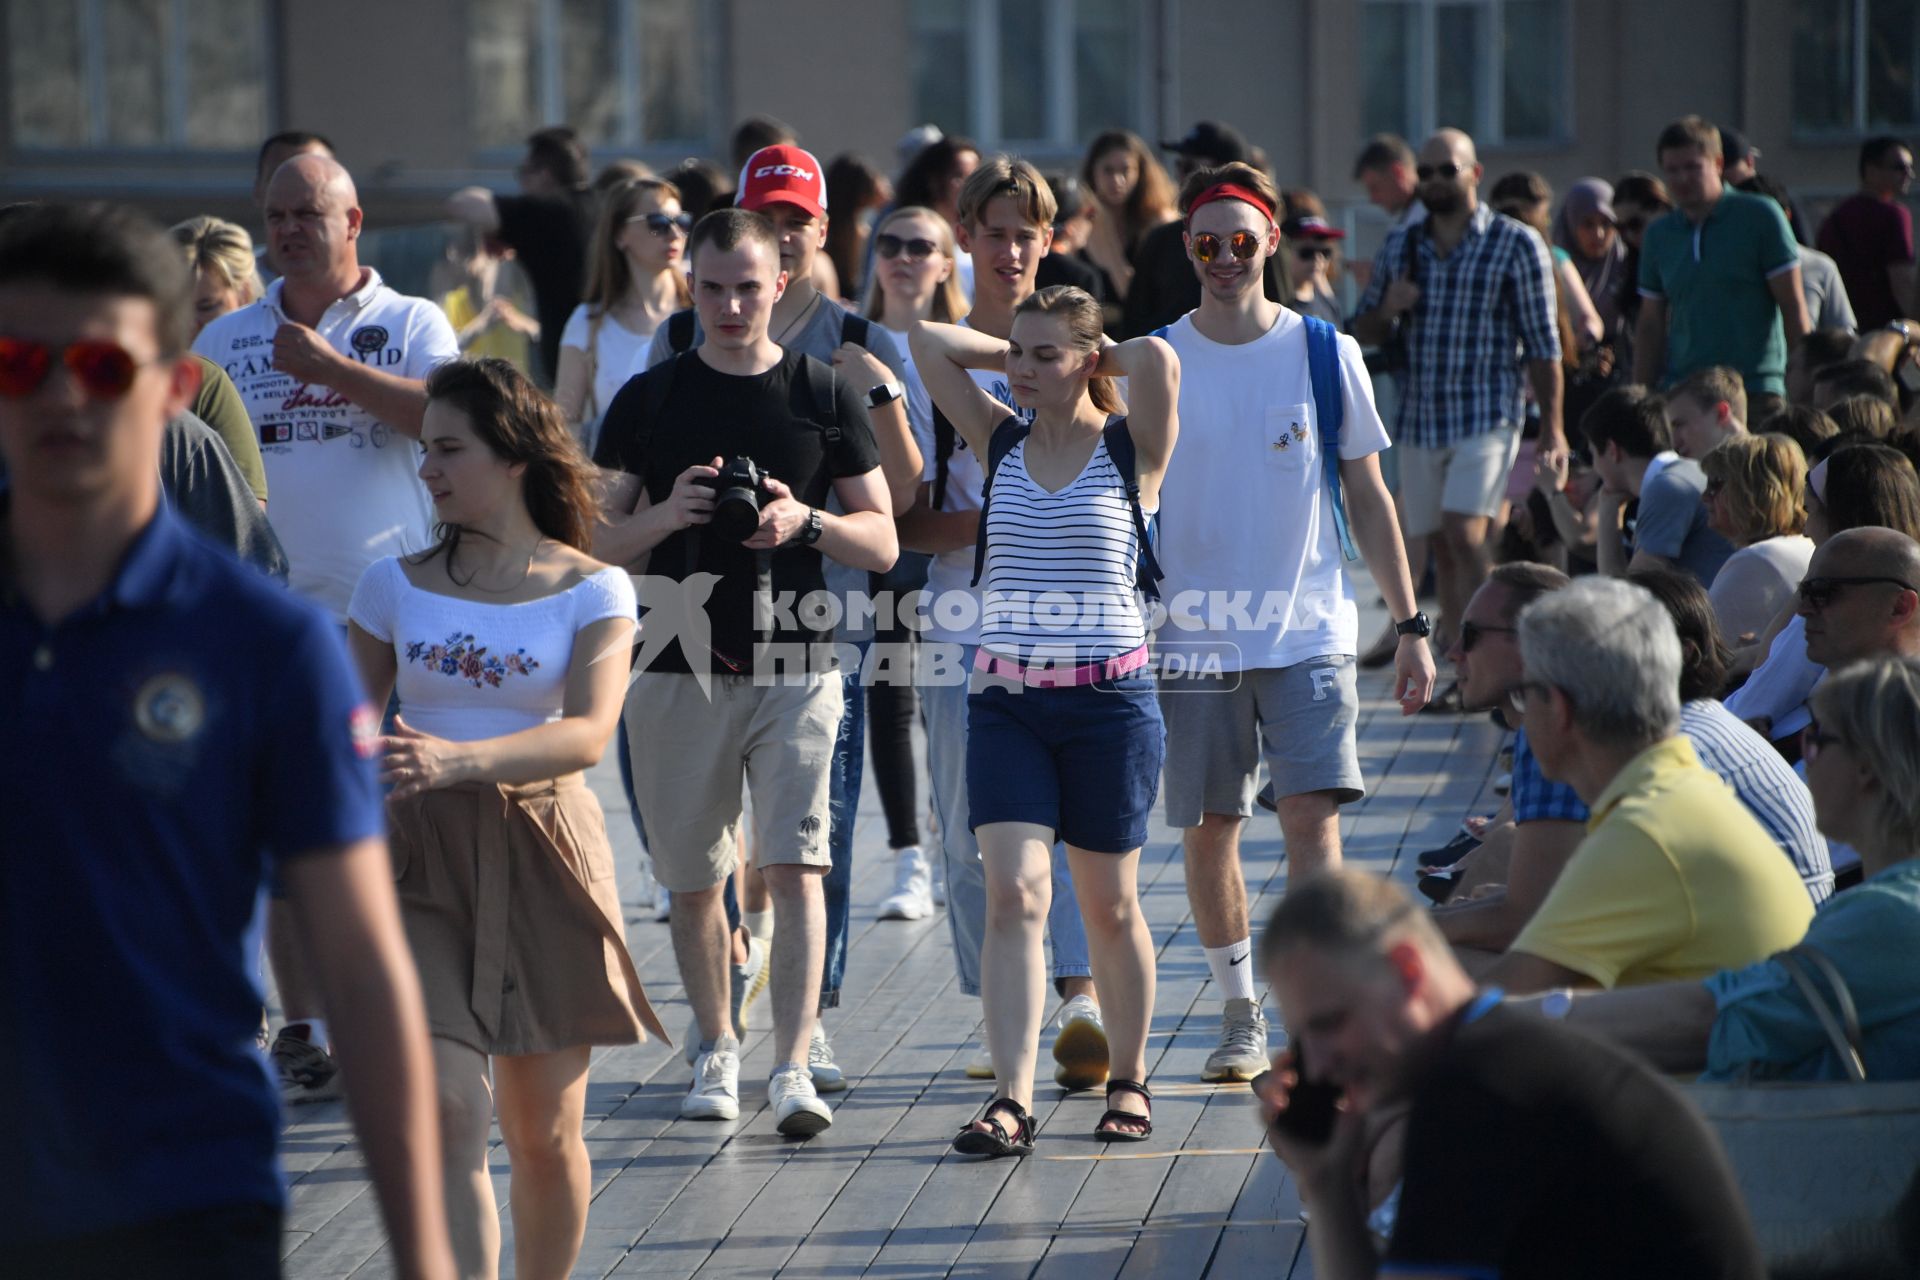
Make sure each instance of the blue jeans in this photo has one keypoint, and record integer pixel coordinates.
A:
(943, 702)
(843, 813)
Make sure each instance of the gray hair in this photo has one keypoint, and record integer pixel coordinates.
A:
(1611, 648)
(1873, 707)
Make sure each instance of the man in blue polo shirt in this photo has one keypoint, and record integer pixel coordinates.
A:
(1719, 276)
(171, 727)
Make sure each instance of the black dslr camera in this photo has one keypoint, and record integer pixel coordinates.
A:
(740, 491)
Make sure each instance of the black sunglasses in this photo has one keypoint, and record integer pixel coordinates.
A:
(661, 225)
(1813, 739)
(1426, 172)
(1818, 593)
(1472, 632)
(891, 246)
(1312, 251)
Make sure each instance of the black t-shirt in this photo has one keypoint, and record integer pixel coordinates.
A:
(550, 235)
(1535, 1150)
(770, 418)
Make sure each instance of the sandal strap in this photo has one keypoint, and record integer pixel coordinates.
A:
(1022, 1121)
(1117, 1118)
(1129, 1086)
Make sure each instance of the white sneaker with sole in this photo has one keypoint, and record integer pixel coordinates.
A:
(715, 1094)
(912, 896)
(1242, 1052)
(827, 1076)
(797, 1109)
(1081, 1047)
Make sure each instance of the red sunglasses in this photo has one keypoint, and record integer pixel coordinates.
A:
(104, 370)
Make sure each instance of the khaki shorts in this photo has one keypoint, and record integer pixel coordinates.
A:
(1467, 478)
(693, 749)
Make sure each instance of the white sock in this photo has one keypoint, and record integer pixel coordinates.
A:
(759, 923)
(316, 1032)
(1232, 968)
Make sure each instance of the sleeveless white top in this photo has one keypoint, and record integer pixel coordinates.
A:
(1058, 586)
(470, 670)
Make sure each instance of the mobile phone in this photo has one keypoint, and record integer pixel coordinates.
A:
(1312, 1105)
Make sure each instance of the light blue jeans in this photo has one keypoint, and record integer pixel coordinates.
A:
(943, 703)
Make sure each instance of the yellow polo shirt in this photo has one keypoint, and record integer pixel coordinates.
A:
(1675, 880)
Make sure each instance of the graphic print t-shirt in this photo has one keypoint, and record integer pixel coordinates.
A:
(345, 492)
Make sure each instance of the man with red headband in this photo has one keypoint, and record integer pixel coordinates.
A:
(1473, 296)
(1257, 655)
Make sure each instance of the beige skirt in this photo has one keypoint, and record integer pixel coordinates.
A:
(510, 907)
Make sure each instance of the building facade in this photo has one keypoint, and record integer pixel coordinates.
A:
(162, 102)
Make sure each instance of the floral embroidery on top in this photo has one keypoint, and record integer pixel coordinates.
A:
(459, 656)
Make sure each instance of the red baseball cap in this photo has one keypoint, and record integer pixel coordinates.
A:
(783, 175)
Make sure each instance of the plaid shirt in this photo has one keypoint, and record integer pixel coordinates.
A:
(1535, 799)
(1484, 309)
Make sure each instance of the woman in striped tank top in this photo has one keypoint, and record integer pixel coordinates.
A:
(1064, 738)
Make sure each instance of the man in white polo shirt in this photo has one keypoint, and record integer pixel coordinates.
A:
(332, 366)
(1257, 654)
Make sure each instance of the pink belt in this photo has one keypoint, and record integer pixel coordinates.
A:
(1054, 676)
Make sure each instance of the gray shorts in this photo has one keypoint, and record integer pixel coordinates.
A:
(1302, 718)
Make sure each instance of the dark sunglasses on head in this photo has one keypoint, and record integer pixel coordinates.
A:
(1818, 593)
(1242, 244)
(891, 246)
(661, 225)
(1471, 633)
(1313, 251)
(1427, 172)
(104, 370)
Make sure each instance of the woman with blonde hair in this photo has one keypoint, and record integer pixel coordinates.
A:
(508, 645)
(636, 278)
(1755, 500)
(1134, 195)
(1064, 735)
(225, 276)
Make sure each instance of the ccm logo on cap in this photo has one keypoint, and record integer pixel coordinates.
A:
(783, 171)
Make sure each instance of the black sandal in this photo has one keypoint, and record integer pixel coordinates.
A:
(987, 1136)
(1108, 1127)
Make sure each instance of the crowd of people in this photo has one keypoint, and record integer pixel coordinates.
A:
(746, 477)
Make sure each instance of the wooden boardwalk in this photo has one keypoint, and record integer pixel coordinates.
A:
(879, 1194)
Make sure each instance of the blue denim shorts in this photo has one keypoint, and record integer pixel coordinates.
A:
(1083, 760)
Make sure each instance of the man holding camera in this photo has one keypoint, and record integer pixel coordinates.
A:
(728, 682)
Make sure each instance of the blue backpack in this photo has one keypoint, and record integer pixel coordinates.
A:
(1323, 371)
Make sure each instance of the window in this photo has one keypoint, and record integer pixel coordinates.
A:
(137, 73)
(625, 73)
(1042, 75)
(1497, 68)
(1856, 66)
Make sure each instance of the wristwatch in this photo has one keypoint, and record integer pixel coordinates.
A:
(884, 394)
(1418, 625)
(810, 531)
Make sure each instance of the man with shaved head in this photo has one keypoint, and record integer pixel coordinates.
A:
(1472, 293)
(1861, 597)
(332, 366)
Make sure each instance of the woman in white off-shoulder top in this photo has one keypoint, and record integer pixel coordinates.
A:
(509, 647)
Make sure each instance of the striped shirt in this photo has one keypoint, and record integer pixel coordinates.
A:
(1484, 309)
(1059, 580)
(1769, 788)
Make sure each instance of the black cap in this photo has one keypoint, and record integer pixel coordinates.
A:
(1735, 147)
(1212, 141)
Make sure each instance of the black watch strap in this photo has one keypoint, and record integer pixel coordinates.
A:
(1418, 625)
(810, 531)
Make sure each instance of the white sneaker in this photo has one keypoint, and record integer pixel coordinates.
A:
(912, 897)
(827, 1076)
(797, 1109)
(715, 1094)
(1081, 1047)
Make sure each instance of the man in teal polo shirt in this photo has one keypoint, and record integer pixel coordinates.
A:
(1719, 276)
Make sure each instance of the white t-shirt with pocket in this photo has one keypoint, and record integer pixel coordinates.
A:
(1254, 573)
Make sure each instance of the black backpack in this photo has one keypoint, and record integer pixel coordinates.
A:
(1011, 431)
